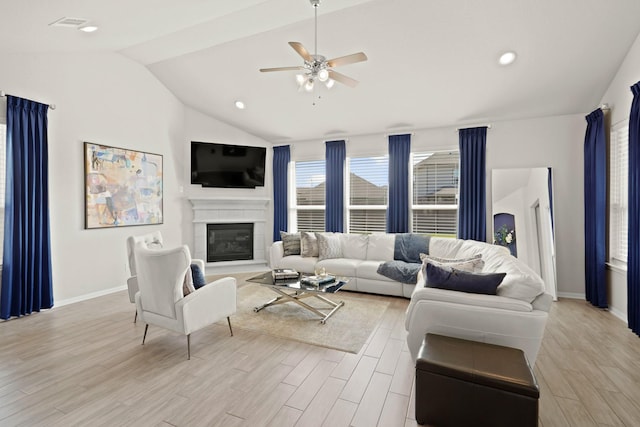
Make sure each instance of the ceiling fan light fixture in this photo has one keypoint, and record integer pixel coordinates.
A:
(308, 86)
(300, 79)
(329, 83)
(323, 75)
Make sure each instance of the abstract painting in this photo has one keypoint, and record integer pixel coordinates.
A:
(122, 187)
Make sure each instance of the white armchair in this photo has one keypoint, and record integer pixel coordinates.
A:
(153, 241)
(160, 301)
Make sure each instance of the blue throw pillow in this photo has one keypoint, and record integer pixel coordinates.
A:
(400, 271)
(444, 277)
(198, 276)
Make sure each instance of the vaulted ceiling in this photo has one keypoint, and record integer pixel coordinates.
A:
(431, 62)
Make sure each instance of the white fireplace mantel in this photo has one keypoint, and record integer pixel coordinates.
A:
(218, 210)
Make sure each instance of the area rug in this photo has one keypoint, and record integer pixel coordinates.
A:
(347, 330)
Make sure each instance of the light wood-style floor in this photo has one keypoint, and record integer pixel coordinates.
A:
(83, 364)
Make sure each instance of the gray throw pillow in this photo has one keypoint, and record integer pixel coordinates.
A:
(290, 243)
(473, 264)
(308, 244)
(329, 246)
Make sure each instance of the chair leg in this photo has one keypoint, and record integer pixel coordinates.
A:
(189, 347)
(145, 333)
(229, 322)
(135, 318)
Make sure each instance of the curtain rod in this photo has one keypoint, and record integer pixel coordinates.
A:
(488, 126)
(400, 133)
(51, 106)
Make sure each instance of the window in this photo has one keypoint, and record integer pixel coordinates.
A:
(367, 198)
(435, 193)
(308, 210)
(618, 192)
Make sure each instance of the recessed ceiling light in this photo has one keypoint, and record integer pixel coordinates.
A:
(88, 28)
(507, 58)
(240, 105)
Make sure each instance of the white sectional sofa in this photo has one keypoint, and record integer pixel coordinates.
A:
(515, 317)
(361, 257)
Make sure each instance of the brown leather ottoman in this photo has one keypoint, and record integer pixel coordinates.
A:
(468, 383)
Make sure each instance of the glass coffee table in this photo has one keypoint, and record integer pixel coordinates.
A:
(293, 290)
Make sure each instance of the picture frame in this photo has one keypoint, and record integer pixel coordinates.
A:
(123, 187)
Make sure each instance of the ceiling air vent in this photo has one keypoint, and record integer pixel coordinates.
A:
(69, 22)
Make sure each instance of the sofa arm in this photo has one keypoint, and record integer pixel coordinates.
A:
(276, 253)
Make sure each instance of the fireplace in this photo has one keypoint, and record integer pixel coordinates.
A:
(229, 242)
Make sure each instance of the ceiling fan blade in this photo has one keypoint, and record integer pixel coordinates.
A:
(267, 70)
(348, 59)
(342, 78)
(301, 51)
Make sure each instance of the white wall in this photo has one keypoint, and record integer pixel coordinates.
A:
(543, 142)
(200, 127)
(107, 99)
(619, 97)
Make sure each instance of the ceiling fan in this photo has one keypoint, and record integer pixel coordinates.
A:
(317, 67)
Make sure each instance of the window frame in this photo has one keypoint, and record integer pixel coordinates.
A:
(349, 207)
(293, 201)
(414, 207)
(618, 208)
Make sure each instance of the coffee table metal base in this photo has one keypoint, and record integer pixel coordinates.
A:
(297, 297)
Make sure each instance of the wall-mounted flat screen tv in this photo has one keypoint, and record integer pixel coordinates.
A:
(227, 166)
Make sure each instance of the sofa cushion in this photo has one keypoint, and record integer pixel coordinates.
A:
(409, 246)
(290, 243)
(400, 271)
(521, 281)
(329, 246)
(380, 247)
(369, 270)
(308, 244)
(354, 246)
(299, 263)
(340, 266)
(444, 247)
(445, 277)
(466, 298)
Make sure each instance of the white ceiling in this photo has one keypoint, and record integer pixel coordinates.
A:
(431, 62)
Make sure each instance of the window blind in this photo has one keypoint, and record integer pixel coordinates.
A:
(368, 194)
(310, 179)
(618, 191)
(435, 192)
(310, 183)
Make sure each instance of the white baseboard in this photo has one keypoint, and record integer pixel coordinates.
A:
(88, 296)
(571, 295)
(620, 315)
